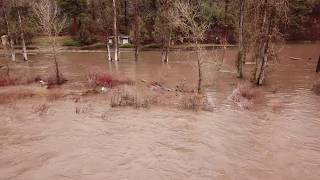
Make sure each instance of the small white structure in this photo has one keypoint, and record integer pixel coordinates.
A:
(122, 39)
(4, 41)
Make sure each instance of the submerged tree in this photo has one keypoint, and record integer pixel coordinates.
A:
(164, 27)
(6, 10)
(242, 51)
(23, 41)
(137, 27)
(103, 18)
(115, 30)
(187, 18)
(265, 19)
(51, 22)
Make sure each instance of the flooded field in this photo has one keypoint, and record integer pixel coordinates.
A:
(87, 139)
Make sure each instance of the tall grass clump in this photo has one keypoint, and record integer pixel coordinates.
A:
(194, 102)
(129, 97)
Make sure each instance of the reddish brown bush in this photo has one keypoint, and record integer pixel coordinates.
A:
(8, 81)
(106, 80)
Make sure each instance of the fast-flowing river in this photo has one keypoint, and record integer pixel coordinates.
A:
(277, 140)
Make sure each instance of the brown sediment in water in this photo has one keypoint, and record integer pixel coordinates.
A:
(82, 137)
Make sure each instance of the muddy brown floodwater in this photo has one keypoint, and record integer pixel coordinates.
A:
(278, 140)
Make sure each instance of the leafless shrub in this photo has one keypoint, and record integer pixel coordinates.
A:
(246, 94)
(125, 96)
(106, 80)
(51, 80)
(194, 101)
(41, 109)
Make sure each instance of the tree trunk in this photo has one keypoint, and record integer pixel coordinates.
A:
(23, 43)
(74, 26)
(116, 50)
(199, 56)
(10, 39)
(166, 48)
(241, 57)
(265, 40)
(57, 70)
(136, 33)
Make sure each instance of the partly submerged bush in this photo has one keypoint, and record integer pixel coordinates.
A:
(106, 80)
(126, 46)
(316, 88)
(194, 102)
(72, 42)
(126, 96)
(8, 81)
(246, 94)
(16, 80)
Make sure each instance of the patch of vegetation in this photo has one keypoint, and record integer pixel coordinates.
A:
(153, 45)
(72, 42)
(126, 46)
(246, 94)
(129, 97)
(106, 80)
(193, 101)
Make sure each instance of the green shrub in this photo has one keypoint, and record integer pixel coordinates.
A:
(153, 46)
(126, 46)
(72, 42)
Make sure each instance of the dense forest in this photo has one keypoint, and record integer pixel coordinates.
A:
(147, 21)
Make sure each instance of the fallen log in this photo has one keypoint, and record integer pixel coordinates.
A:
(296, 58)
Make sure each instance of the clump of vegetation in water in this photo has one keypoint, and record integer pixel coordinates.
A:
(194, 102)
(246, 94)
(129, 97)
(316, 88)
(7, 81)
(105, 80)
(17, 80)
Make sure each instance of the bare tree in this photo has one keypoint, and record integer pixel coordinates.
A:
(265, 19)
(186, 18)
(51, 22)
(115, 30)
(164, 27)
(23, 42)
(137, 27)
(5, 9)
(104, 10)
(241, 53)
